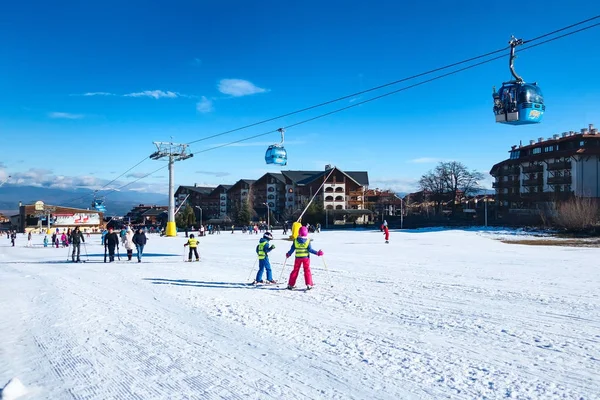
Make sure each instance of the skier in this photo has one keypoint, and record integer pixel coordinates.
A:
(45, 241)
(262, 250)
(29, 242)
(303, 249)
(193, 243)
(127, 241)
(76, 239)
(111, 240)
(13, 237)
(139, 239)
(386, 233)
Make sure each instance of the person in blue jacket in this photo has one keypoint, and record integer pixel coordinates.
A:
(263, 249)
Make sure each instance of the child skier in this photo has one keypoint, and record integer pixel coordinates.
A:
(45, 241)
(193, 243)
(386, 233)
(303, 249)
(262, 250)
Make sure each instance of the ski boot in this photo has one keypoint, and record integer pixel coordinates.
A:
(308, 287)
(290, 287)
(272, 282)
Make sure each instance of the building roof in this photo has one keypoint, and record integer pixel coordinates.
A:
(250, 182)
(226, 187)
(361, 177)
(302, 177)
(153, 212)
(306, 177)
(199, 189)
(275, 175)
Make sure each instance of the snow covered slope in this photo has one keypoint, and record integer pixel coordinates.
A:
(432, 315)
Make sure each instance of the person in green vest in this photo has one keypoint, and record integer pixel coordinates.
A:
(263, 250)
(193, 243)
(303, 250)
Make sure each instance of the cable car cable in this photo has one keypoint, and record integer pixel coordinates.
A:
(388, 84)
(376, 97)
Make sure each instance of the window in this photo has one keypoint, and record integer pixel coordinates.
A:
(581, 143)
(537, 150)
(329, 198)
(339, 189)
(339, 207)
(339, 198)
(548, 149)
(515, 154)
(271, 197)
(271, 189)
(329, 190)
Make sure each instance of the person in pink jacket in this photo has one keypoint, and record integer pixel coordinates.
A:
(303, 249)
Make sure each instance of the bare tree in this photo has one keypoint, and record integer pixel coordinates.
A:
(448, 179)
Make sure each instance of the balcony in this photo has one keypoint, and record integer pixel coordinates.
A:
(559, 165)
(506, 184)
(533, 182)
(530, 169)
(355, 202)
(556, 180)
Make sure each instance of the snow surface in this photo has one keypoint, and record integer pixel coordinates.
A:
(434, 314)
(13, 390)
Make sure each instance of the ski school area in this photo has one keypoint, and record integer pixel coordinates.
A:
(434, 314)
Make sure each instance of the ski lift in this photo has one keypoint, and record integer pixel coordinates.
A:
(518, 103)
(98, 204)
(276, 153)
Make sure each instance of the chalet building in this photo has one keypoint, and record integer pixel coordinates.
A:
(145, 214)
(270, 189)
(548, 170)
(240, 192)
(284, 193)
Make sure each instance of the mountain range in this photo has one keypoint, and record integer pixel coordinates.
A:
(117, 203)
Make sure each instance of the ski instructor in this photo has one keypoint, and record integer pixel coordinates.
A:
(76, 239)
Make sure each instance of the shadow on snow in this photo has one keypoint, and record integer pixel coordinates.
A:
(204, 284)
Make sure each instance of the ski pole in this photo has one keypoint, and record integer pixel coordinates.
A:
(253, 265)
(326, 269)
(118, 255)
(282, 269)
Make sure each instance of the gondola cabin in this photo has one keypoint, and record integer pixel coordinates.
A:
(98, 205)
(276, 154)
(518, 103)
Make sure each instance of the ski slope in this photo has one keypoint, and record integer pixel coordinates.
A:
(435, 314)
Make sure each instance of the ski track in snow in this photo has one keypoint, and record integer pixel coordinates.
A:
(433, 315)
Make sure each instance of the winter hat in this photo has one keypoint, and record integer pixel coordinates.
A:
(268, 236)
(128, 229)
(303, 231)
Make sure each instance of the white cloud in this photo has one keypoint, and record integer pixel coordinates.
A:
(136, 175)
(98, 94)
(217, 174)
(65, 115)
(204, 105)
(157, 94)
(238, 87)
(425, 160)
(406, 185)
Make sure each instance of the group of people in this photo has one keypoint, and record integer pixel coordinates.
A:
(110, 240)
(301, 246)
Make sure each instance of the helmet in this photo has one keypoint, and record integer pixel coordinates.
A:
(268, 236)
(303, 231)
(192, 236)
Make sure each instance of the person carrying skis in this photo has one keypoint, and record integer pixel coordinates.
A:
(193, 243)
(111, 240)
(303, 249)
(139, 239)
(386, 233)
(76, 239)
(263, 250)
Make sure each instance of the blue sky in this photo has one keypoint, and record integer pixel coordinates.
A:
(86, 87)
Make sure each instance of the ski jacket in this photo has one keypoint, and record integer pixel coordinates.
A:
(77, 237)
(127, 240)
(193, 243)
(139, 239)
(263, 248)
(111, 239)
(302, 247)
